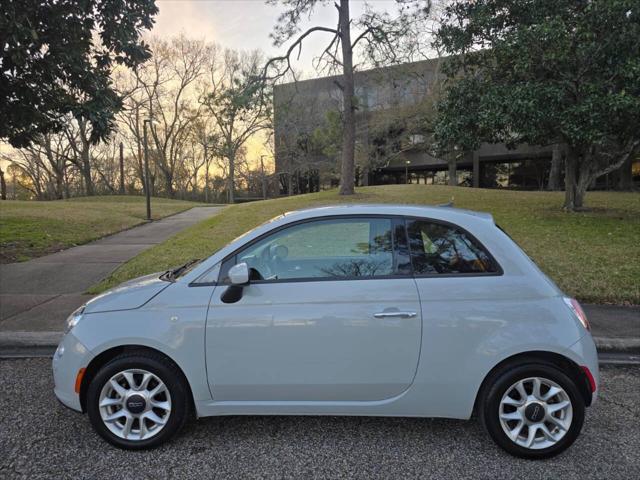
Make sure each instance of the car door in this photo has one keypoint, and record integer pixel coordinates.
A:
(331, 314)
(460, 286)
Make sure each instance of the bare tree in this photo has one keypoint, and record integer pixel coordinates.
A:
(78, 132)
(29, 173)
(45, 163)
(52, 151)
(205, 138)
(130, 118)
(205, 107)
(166, 84)
(381, 38)
(237, 101)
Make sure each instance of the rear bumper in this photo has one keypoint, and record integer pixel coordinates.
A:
(584, 353)
(69, 358)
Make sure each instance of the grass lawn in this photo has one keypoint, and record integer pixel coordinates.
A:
(593, 255)
(30, 229)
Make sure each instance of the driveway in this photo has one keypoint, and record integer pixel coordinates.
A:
(38, 295)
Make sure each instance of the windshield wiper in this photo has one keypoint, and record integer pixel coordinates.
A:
(171, 275)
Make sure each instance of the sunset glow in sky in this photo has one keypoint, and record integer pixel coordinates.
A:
(246, 24)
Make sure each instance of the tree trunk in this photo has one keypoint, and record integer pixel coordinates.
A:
(67, 191)
(625, 181)
(121, 168)
(585, 178)
(570, 180)
(349, 128)
(59, 185)
(162, 165)
(365, 177)
(3, 186)
(289, 177)
(206, 174)
(232, 165)
(453, 171)
(556, 168)
(86, 173)
(168, 182)
(85, 157)
(194, 192)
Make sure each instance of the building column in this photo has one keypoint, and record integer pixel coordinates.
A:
(476, 170)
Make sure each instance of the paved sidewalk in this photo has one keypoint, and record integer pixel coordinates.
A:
(36, 296)
(615, 328)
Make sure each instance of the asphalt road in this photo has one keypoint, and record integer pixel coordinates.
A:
(39, 438)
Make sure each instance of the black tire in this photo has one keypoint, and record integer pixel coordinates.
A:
(497, 385)
(166, 371)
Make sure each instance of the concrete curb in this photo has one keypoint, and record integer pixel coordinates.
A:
(15, 340)
(617, 344)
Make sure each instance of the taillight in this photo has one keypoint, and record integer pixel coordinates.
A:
(589, 375)
(575, 307)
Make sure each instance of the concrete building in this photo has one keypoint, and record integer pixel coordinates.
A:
(391, 145)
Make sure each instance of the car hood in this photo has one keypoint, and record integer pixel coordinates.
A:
(129, 295)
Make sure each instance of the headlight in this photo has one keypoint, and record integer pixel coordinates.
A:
(73, 319)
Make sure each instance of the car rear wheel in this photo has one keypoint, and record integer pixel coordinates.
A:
(138, 400)
(532, 411)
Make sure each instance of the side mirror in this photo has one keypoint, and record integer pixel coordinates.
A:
(239, 277)
(239, 274)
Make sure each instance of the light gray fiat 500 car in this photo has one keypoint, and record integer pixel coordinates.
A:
(348, 310)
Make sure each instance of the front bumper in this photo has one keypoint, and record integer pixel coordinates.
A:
(69, 358)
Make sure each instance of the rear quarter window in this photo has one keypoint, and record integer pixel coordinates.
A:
(438, 248)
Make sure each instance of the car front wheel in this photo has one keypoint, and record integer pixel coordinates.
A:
(532, 411)
(137, 400)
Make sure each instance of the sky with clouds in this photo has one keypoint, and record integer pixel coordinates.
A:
(246, 24)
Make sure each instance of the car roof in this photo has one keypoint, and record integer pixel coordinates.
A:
(436, 212)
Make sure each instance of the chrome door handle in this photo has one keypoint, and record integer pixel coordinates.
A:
(395, 314)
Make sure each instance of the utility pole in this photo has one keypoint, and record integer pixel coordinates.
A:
(147, 187)
(121, 168)
(264, 181)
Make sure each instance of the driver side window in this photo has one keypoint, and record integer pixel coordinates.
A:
(332, 248)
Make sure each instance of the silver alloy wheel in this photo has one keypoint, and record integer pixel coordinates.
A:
(535, 413)
(135, 404)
